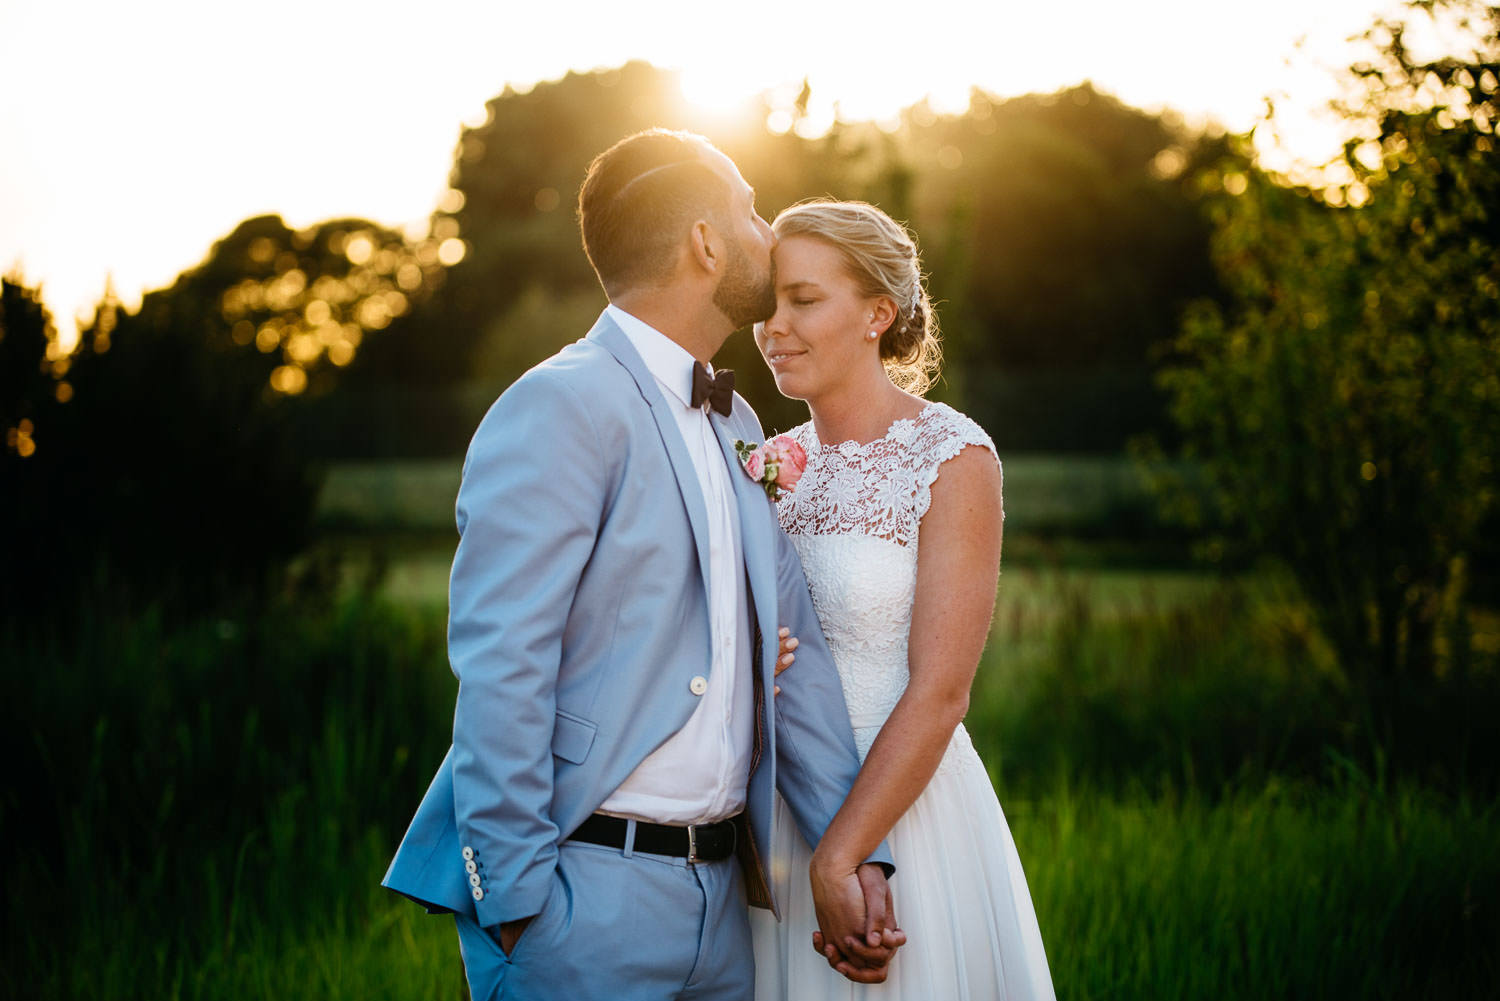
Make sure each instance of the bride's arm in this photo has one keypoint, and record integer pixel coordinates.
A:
(958, 564)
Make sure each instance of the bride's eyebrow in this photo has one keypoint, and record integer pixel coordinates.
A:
(799, 286)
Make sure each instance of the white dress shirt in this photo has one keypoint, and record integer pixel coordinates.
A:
(699, 775)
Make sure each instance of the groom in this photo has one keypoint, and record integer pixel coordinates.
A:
(604, 815)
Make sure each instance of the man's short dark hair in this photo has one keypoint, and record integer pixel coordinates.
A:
(638, 200)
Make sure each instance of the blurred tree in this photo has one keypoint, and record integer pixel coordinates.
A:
(1346, 404)
(31, 370)
(166, 464)
(1062, 235)
(306, 300)
(32, 392)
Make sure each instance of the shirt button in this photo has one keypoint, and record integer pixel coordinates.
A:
(698, 685)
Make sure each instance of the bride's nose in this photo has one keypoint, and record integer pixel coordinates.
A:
(774, 327)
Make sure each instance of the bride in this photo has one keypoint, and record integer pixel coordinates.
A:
(897, 519)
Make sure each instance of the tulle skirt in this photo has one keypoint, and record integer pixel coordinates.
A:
(960, 896)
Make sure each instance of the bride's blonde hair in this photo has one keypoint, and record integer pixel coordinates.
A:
(881, 256)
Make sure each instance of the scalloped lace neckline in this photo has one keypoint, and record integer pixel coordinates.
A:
(851, 445)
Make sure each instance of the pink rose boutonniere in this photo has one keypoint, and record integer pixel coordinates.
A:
(777, 465)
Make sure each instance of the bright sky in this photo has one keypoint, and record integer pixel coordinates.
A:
(134, 134)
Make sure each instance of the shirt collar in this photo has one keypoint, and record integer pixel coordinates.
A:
(667, 361)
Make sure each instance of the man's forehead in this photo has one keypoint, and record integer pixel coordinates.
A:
(726, 167)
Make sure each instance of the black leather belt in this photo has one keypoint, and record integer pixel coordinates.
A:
(700, 843)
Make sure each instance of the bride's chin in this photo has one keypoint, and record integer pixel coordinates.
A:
(788, 387)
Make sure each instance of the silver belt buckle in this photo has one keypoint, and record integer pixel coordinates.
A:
(692, 844)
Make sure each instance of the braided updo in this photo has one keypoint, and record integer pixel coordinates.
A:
(881, 257)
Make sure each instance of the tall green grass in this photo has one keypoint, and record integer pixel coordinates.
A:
(1191, 684)
(1280, 891)
(187, 791)
(203, 808)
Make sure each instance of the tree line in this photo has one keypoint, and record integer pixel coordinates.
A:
(1326, 357)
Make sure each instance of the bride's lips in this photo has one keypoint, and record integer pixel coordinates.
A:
(779, 357)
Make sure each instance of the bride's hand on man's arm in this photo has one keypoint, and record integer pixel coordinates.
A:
(784, 653)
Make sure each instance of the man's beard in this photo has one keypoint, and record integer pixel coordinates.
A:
(742, 298)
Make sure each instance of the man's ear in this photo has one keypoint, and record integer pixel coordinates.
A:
(704, 246)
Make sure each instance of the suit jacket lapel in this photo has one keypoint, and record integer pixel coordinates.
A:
(608, 334)
(759, 545)
(755, 534)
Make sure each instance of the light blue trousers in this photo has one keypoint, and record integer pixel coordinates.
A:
(620, 926)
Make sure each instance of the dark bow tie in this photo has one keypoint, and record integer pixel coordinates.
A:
(717, 390)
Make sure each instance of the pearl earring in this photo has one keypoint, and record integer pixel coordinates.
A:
(872, 335)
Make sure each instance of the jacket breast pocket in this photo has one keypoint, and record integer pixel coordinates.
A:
(572, 737)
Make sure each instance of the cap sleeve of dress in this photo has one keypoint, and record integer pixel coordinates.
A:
(940, 438)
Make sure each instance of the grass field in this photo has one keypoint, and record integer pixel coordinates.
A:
(398, 519)
(203, 809)
(1271, 893)
(1042, 492)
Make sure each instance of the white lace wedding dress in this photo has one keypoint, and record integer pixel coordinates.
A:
(960, 894)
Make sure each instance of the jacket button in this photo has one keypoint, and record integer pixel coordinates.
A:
(468, 853)
(698, 685)
(478, 893)
(471, 866)
(474, 880)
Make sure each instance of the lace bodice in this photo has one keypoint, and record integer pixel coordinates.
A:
(854, 519)
(879, 489)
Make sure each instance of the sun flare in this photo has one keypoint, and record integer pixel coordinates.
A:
(716, 92)
(190, 163)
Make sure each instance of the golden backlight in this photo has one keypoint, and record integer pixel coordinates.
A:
(129, 149)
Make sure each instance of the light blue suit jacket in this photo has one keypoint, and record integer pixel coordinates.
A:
(578, 618)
